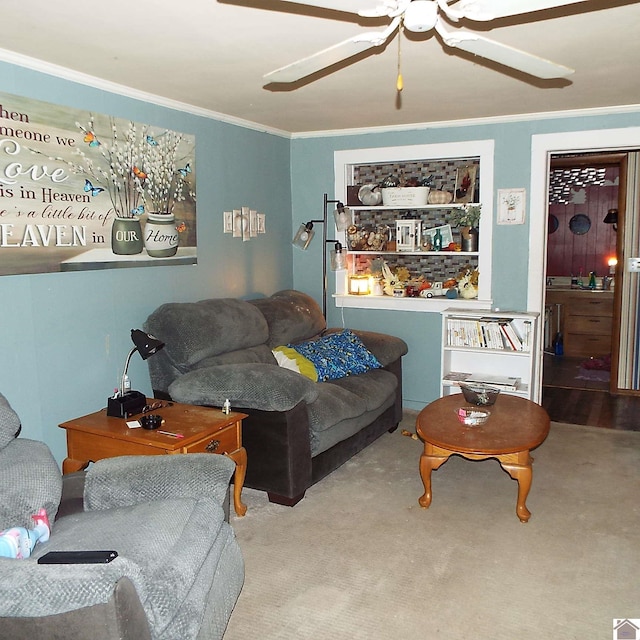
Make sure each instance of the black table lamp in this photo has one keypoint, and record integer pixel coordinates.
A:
(127, 403)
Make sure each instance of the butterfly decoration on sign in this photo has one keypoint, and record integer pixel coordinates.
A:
(180, 227)
(185, 170)
(139, 173)
(89, 188)
(138, 211)
(91, 140)
(151, 140)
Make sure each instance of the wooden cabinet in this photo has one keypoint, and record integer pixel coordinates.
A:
(586, 321)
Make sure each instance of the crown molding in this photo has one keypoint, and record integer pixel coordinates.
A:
(65, 73)
(522, 117)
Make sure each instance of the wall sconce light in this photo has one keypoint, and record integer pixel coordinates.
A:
(359, 285)
(303, 236)
(125, 402)
(612, 218)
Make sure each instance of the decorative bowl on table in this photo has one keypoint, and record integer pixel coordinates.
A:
(479, 394)
(151, 421)
(472, 416)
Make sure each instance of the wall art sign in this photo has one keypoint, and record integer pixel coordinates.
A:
(511, 206)
(81, 190)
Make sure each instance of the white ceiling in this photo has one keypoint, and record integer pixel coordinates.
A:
(212, 55)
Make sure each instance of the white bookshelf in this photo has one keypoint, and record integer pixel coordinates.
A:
(474, 343)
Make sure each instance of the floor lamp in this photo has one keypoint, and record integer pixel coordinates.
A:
(305, 233)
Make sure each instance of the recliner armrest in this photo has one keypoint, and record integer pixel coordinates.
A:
(128, 480)
(266, 387)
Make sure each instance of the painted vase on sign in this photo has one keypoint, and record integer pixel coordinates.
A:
(126, 236)
(161, 235)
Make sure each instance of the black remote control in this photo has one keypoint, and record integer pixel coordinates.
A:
(77, 557)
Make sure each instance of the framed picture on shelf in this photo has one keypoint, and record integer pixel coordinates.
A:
(465, 183)
(511, 206)
(445, 232)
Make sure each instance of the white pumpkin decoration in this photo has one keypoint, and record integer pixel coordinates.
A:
(440, 197)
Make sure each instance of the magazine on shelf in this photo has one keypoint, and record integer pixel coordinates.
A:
(507, 383)
(456, 376)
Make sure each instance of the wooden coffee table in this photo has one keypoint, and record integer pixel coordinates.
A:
(515, 427)
(199, 430)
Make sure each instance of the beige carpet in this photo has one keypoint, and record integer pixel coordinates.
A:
(359, 559)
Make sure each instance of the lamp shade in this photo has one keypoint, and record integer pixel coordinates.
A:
(342, 217)
(303, 236)
(359, 285)
(146, 344)
(611, 217)
(338, 258)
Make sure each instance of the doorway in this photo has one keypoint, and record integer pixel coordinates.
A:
(613, 410)
(585, 211)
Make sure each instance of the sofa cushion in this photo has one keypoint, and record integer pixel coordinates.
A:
(291, 316)
(346, 405)
(289, 358)
(338, 355)
(386, 348)
(259, 354)
(193, 331)
(372, 387)
(250, 386)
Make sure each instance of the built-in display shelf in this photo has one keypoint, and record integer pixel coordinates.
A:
(425, 305)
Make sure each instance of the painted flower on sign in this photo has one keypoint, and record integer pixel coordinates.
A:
(167, 174)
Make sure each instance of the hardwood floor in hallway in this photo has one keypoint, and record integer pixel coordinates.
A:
(573, 396)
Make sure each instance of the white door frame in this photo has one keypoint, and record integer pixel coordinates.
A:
(542, 146)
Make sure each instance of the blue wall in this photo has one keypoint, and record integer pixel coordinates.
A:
(313, 175)
(65, 336)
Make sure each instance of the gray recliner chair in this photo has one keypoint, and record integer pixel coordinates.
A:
(179, 569)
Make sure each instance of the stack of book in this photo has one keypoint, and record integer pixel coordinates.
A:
(487, 333)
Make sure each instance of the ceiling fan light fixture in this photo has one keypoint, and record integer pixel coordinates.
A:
(421, 15)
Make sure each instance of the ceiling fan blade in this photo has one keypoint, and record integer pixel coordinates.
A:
(503, 54)
(364, 8)
(483, 10)
(327, 57)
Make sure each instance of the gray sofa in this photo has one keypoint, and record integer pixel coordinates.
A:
(179, 570)
(297, 430)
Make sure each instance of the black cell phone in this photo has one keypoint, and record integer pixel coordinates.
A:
(77, 557)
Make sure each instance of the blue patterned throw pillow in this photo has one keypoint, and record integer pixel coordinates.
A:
(338, 355)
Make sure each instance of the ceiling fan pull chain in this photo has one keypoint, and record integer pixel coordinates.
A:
(399, 80)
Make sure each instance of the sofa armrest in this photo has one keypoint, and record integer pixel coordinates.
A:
(266, 387)
(128, 480)
(386, 348)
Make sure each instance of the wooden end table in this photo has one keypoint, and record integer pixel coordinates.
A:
(199, 430)
(515, 427)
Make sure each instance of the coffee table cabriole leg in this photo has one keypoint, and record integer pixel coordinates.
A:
(518, 466)
(432, 458)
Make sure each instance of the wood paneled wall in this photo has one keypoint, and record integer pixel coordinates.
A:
(567, 252)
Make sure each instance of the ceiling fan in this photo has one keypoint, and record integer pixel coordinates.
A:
(421, 16)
